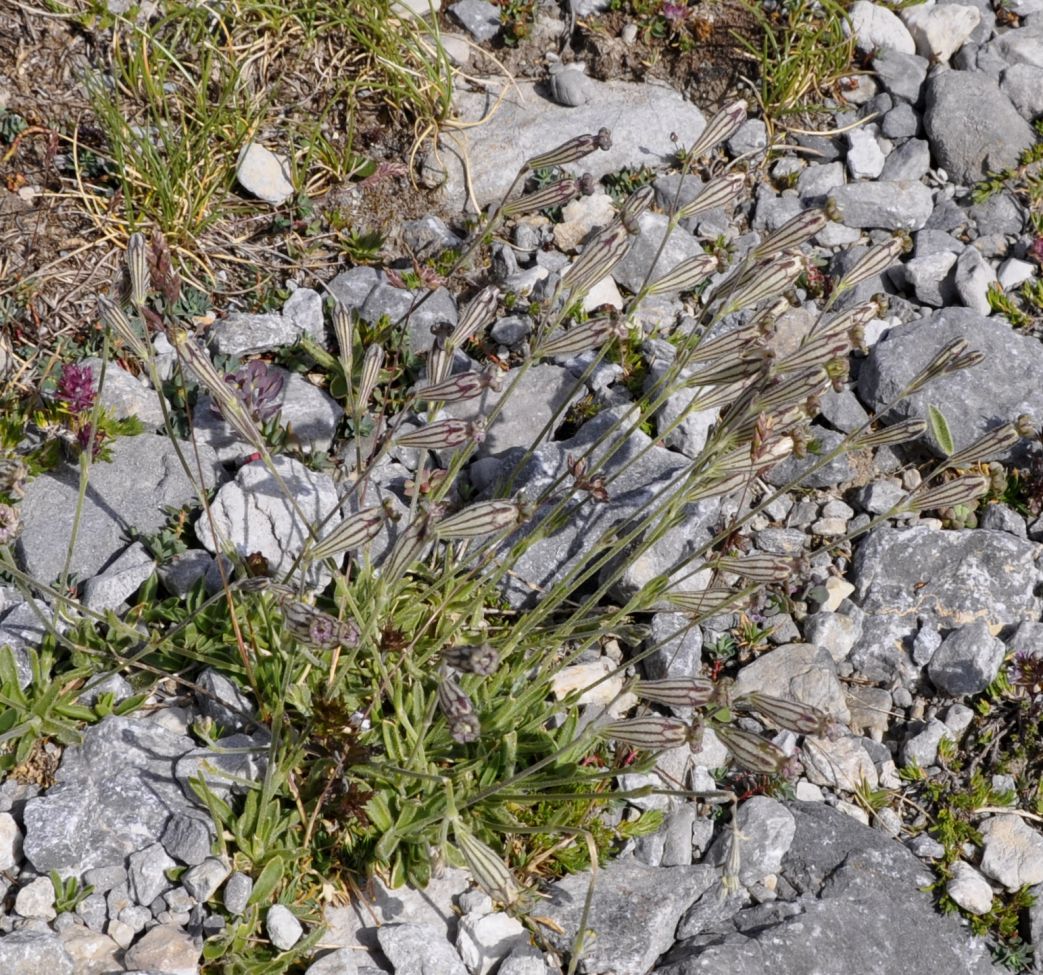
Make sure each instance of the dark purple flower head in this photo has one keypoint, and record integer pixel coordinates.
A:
(675, 12)
(1035, 251)
(258, 386)
(76, 388)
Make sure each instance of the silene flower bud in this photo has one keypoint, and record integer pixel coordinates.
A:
(568, 152)
(960, 490)
(718, 192)
(649, 733)
(792, 233)
(804, 719)
(634, 205)
(579, 338)
(753, 753)
(443, 434)
(722, 126)
(464, 385)
(479, 519)
(486, 867)
(896, 433)
(452, 698)
(353, 532)
(137, 268)
(986, 447)
(679, 692)
(114, 319)
(757, 568)
(704, 603)
(602, 254)
(476, 315)
(319, 629)
(768, 281)
(555, 195)
(482, 659)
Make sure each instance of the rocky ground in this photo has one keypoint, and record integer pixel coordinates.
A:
(899, 634)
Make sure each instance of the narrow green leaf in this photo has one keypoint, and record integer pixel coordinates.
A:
(940, 429)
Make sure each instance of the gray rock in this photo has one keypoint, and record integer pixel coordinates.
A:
(679, 427)
(189, 837)
(91, 953)
(351, 288)
(865, 160)
(125, 395)
(340, 961)
(429, 236)
(113, 795)
(677, 644)
(511, 330)
(901, 74)
(120, 579)
(1022, 46)
(240, 334)
(515, 133)
(36, 900)
(631, 271)
(304, 310)
(767, 828)
(252, 514)
(34, 953)
(836, 633)
(900, 123)
(930, 242)
(264, 174)
(941, 30)
(773, 210)
(876, 27)
(817, 180)
(634, 912)
(164, 948)
(483, 940)
(419, 949)
(931, 278)
(967, 661)
(843, 411)
(524, 960)
(282, 926)
(972, 125)
(969, 576)
(972, 280)
(184, 570)
(237, 893)
(751, 137)
(535, 396)
(146, 871)
(203, 880)
(220, 699)
(103, 879)
(569, 85)
(973, 400)
(921, 749)
(479, 18)
(798, 672)
(103, 684)
(227, 767)
(925, 643)
(853, 880)
(129, 493)
(999, 517)
(355, 925)
(642, 476)
(999, 214)
(796, 469)
(1012, 851)
(1023, 85)
(419, 309)
(901, 205)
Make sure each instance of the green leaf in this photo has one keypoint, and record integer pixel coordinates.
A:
(940, 429)
(270, 878)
